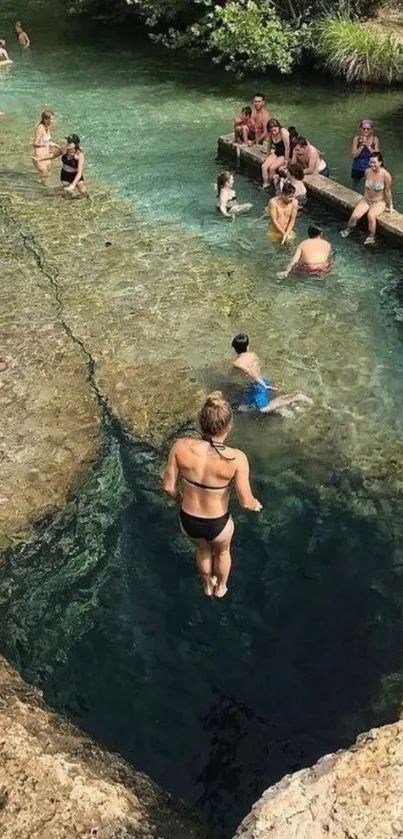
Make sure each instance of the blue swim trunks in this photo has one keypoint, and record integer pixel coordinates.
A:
(257, 396)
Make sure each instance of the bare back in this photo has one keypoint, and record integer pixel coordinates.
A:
(249, 363)
(198, 462)
(315, 251)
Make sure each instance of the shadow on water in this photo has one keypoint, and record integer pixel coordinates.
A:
(214, 700)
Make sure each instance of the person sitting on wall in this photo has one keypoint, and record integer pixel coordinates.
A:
(278, 150)
(309, 158)
(313, 256)
(244, 127)
(377, 198)
(260, 117)
(293, 174)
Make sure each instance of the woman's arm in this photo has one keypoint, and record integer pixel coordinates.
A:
(286, 140)
(80, 168)
(376, 143)
(39, 131)
(242, 484)
(388, 191)
(171, 474)
(356, 146)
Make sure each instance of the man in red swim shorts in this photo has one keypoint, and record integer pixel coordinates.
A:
(313, 256)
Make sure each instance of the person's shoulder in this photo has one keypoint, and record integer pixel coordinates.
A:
(240, 456)
(387, 175)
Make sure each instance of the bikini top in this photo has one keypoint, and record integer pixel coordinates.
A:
(278, 147)
(45, 139)
(218, 447)
(70, 160)
(377, 186)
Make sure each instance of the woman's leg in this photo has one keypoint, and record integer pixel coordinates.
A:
(373, 213)
(276, 164)
(81, 187)
(42, 166)
(221, 551)
(204, 562)
(266, 168)
(359, 211)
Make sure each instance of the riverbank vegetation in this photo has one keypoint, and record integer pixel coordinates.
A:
(257, 35)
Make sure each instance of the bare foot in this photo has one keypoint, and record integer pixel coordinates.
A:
(370, 240)
(208, 586)
(220, 590)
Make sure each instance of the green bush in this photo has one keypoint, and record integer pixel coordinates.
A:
(351, 49)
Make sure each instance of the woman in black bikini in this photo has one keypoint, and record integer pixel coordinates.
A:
(278, 150)
(207, 468)
(73, 161)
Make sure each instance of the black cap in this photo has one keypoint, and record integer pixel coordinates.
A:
(73, 138)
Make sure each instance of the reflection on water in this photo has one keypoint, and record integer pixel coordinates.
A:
(215, 701)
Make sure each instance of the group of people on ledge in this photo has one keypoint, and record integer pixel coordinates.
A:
(289, 158)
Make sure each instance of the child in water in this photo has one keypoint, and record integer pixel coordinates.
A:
(244, 127)
(258, 396)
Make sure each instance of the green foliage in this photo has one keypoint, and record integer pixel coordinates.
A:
(350, 49)
(242, 35)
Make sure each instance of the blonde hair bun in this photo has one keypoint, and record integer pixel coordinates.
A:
(216, 414)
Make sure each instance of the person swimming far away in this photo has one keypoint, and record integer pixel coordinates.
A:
(199, 477)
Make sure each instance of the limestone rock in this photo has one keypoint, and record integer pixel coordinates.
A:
(57, 784)
(353, 794)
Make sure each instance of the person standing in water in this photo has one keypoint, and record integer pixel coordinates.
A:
(313, 256)
(363, 145)
(377, 198)
(227, 203)
(22, 37)
(283, 212)
(258, 396)
(43, 143)
(4, 56)
(207, 469)
(73, 160)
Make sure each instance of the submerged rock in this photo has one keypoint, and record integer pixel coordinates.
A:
(354, 793)
(57, 784)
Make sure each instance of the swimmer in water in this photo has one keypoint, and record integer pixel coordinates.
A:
(207, 470)
(283, 212)
(4, 56)
(73, 161)
(258, 396)
(312, 257)
(43, 143)
(227, 203)
(22, 37)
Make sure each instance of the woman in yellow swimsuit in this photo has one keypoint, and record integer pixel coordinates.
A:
(377, 198)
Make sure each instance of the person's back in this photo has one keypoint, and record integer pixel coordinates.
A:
(248, 362)
(315, 251)
(207, 471)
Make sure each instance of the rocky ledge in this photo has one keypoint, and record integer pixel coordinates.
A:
(57, 784)
(354, 794)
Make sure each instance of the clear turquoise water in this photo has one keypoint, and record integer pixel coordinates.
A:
(216, 701)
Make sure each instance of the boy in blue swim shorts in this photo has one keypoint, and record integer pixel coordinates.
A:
(259, 394)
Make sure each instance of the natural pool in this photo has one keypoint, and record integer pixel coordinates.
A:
(214, 701)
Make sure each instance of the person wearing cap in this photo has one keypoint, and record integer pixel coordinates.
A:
(73, 160)
(363, 145)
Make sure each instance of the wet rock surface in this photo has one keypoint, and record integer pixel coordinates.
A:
(57, 784)
(354, 794)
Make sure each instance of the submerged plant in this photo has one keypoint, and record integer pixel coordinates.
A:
(351, 49)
